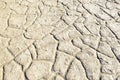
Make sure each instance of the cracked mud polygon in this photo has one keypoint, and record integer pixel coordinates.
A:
(59, 39)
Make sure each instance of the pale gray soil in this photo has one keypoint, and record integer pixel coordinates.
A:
(59, 39)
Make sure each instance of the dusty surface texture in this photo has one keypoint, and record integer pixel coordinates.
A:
(59, 39)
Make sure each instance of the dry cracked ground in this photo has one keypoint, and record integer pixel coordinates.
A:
(59, 39)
